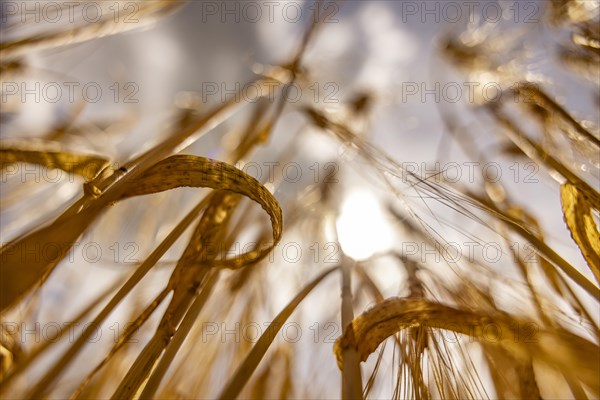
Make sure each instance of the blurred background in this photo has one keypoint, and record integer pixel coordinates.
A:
(409, 78)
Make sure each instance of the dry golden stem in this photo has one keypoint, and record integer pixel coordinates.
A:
(186, 325)
(241, 376)
(131, 329)
(533, 94)
(150, 10)
(351, 373)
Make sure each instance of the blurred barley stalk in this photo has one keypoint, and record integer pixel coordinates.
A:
(431, 339)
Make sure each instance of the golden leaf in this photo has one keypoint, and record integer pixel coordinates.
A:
(194, 171)
(577, 209)
(51, 155)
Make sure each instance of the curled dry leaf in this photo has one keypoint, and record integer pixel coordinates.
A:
(556, 347)
(577, 209)
(171, 173)
(193, 171)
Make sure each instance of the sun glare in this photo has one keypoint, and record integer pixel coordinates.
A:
(361, 226)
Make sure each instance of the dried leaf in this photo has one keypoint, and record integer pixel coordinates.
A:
(51, 155)
(577, 209)
(184, 170)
